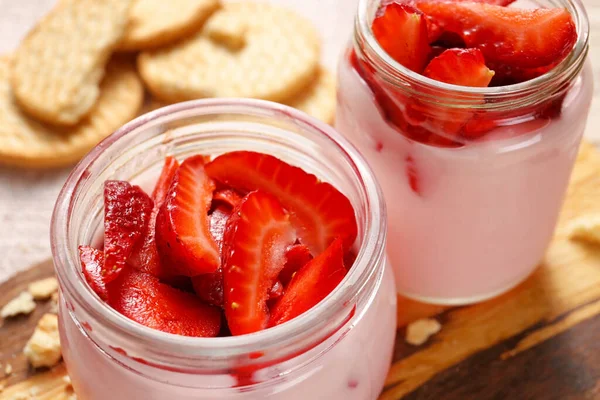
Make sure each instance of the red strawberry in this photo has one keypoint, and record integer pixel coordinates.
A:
(525, 38)
(144, 299)
(182, 224)
(401, 31)
(92, 265)
(209, 287)
(145, 257)
(508, 75)
(161, 189)
(464, 67)
(256, 237)
(311, 284)
(127, 211)
(228, 197)
(297, 256)
(318, 211)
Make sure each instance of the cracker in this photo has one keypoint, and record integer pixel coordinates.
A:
(319, 99)
(29, 143)
(156, 23)
(245, 49)
(59, 65)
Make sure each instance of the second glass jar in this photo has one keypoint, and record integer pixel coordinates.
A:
(470, 215)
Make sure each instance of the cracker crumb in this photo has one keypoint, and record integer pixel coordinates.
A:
(43, 348)
(54, 305)
(586, 229)
(418, 332)
(67, 379)
(44, 288)
(22, 304)
(8, 369)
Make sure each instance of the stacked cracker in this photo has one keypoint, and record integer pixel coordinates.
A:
(66, 87)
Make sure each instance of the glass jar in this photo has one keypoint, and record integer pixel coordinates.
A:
(474, 178)
(333, 351)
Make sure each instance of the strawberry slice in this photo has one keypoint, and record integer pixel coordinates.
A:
(209, 287)
(228, 197)
(401, 31)
(311, 284)
(464, 67)
(527, 38)
(297, 256)
(182, 224)
(92, 265)
(318, 211)
(145, 257)
(161, 189)
(257, 236)
(144, 299)
(127, 211)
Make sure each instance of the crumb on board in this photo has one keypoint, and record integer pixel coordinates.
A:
(54, 305)
(44, 288)
(586, 229)
(43, 348)
(418, 332)
(22, 304)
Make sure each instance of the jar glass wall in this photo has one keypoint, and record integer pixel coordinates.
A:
(330, 352)
(470, 215)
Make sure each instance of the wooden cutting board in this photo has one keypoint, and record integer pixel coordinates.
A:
(540, 341)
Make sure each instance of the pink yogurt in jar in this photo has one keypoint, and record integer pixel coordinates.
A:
(469, 218)
(340, 349)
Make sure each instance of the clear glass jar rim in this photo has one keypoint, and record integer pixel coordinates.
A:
(310, 323)
(576, 57)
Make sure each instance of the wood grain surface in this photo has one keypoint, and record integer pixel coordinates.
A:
(539, 341)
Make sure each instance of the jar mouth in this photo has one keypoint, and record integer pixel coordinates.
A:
(391, 70)
(300, 331)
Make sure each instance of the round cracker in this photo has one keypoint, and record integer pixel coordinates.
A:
(26, 142)
(156, 23)
(245, 49)
(319, 99)
(59, 65)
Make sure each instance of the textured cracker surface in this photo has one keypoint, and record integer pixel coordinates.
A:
(29, 143)
(154, 23)
(277, 60)
(319, 99)
(59, 65)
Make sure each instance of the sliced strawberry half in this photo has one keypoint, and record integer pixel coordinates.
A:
(92, 265)
(127, 211)
(311, 284)
(145, 257)
(144, 299)
(297, 256)
(463, 67)
(209, 287)
(257, 236)
(182, 225)
(318, 211)
(401, 31)
(526, 38)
